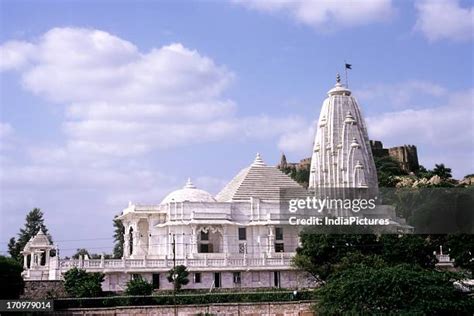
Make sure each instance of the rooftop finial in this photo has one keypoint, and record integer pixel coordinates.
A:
(338, 78)
(258, 161)
(189, 184)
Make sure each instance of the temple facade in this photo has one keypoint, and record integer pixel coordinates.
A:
(239, 238)
(235, 239)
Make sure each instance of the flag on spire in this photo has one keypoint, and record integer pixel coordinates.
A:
(348, 66)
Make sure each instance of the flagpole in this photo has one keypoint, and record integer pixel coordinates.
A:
(345, 68)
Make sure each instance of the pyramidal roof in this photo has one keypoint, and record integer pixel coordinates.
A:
(40, 240)
(257, 181)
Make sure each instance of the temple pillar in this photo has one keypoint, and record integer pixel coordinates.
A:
(136, 242)
(46, 261)
(271, 240)
(126, 245)
(193, 240)
(225, 239)
(25, 261)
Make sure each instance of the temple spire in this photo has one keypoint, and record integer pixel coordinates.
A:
(258, 161)
(189, 184)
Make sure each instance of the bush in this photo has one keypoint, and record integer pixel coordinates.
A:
(178, 276)
(139, 287)
(403, 289)
(184, 299)
(79, 283)
(11, 282)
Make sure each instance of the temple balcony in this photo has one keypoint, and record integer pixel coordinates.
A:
(205, 262)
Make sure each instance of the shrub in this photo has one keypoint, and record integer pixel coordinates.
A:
(178, 276)
(402, 289)
(138, 286)
(79, 283)
(11, 282)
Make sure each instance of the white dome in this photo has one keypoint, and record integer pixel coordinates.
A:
(188, 193)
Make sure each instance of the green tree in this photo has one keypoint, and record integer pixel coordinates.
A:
(138, 286)
(119, 231)
(34, 222)
(413, 249)
(401, 289)
(442, 171)
(461, 250)
(178, 276)
(387, 169)
(79, 283)
(81, 252)
(11, 281)
(321, 254)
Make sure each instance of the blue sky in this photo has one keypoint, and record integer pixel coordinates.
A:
(103, 102)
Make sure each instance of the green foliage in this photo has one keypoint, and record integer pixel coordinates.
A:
(320, 254)
(178, 276)
(34, 222)
(79, 283)
(299, 175)
(138, 286)
(442, 171)
(81, 252)
(387, 169)
(11, 281)
(184, 299)
(422, 172)
(119, 231)
(324, 254)
(401, 289)
(414, 249)
(461, 250)
(442, 210)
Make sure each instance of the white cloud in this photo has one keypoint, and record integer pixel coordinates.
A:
(5, 130)
(442, 134)
(15, 54)
(444, 19)
(121, 101)
(400, 95)
(298, 142)
(326, 14)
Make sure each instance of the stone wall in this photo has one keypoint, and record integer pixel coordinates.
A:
(43, 289)
(406, 155)
(302, 308)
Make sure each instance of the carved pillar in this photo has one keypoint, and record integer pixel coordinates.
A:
(225, 238)
(25, 261)
(126, 245)
(136, 242)
(47, 254)
(193, 240)
(271, 240)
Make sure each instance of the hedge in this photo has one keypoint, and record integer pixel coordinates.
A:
(182, 299)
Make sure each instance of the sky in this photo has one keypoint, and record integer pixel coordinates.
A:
(106, 102)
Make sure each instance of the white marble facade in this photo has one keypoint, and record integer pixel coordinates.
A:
(235, 239)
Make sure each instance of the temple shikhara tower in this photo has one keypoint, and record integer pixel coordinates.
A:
(342, 156)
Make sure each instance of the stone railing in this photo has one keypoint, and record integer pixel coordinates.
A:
(278, 261)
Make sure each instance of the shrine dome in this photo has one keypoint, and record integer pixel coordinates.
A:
(189, 193)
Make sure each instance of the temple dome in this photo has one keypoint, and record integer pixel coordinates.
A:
(189, 193)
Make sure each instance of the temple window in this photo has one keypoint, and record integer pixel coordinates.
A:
(242, 233)
(197, 277)
(279, 233)
(130, 233)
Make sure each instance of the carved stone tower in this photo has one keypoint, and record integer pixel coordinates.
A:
(342, 156)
